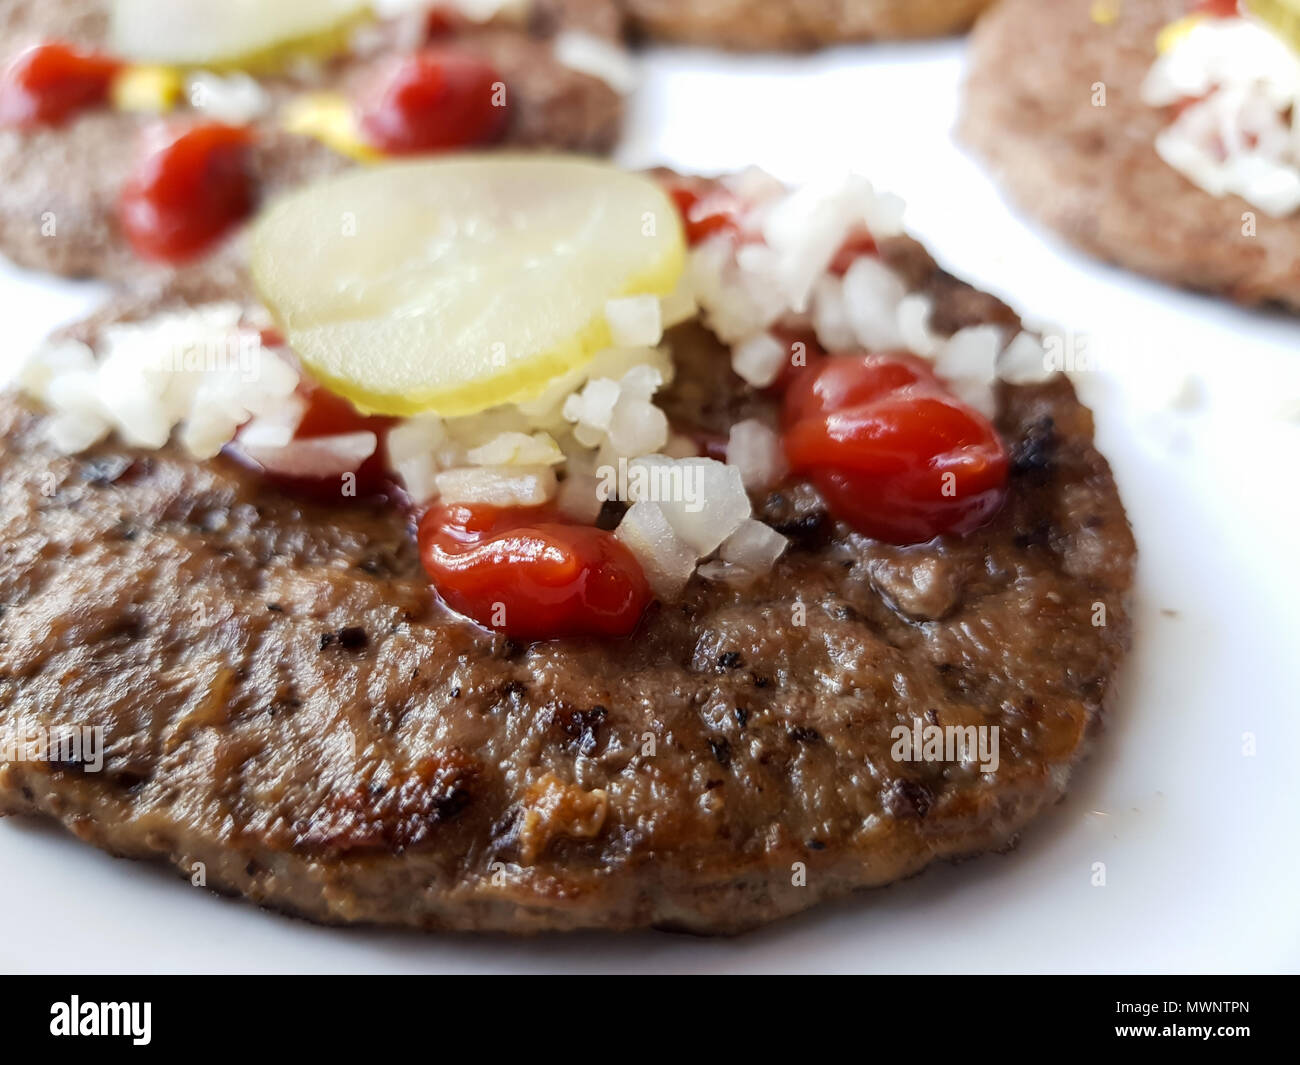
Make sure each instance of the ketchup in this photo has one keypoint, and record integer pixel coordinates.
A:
(436, 100)
(50, 83)
(528, 573)
(188, 190)
(1218, 8)
(891, 451)
(706, 208)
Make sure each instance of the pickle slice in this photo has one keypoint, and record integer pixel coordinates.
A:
(230, 33)
(457, 284)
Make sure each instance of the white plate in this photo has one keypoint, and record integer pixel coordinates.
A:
(1197, 838)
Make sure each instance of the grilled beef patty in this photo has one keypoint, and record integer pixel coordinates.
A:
(799, 23)
(1092, 173)
(286, 702)
(58, 210)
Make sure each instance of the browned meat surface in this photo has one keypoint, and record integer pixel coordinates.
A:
(1092, 172)
(794, 24)
(285, 701)
(59, 187)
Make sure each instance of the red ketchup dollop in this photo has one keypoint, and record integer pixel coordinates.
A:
(531, 575)
(1218, 8)
(50, 83)
(188, 190)
(891, 451)
(435, 100)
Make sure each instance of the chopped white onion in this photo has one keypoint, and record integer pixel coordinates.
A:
(759, 360)
(641, 382)
(71, 433)
(635, 321)
(637, 427)
(412, 455)
(1024, 361)
(667, 561)
(592, 410)
(806, 227)
(620, 414)
(704, 500)
(830, 316)
(885, 215)
(753, 546)
(872, 294)
(967, 363)
(275, 429)
(317, 456)
(234, 98)
(755, 449)
(500, 486)
(199, 368)
(736, 288)
(754, 185)
(517, 449)
(913, 315)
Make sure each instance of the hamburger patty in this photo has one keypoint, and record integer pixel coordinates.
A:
(72, 175)
(285, 701)
(1092, 172)
(799, 23)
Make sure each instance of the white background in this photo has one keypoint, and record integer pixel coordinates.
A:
(1201, 844)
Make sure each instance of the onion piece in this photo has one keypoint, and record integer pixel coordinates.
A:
(635, 321)
(517, 449)
(754, 546)
(667, 560)
(317, 456)
(758, 361)
(703, 500)
(499, 486)
(756, 450)
(413, 455)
